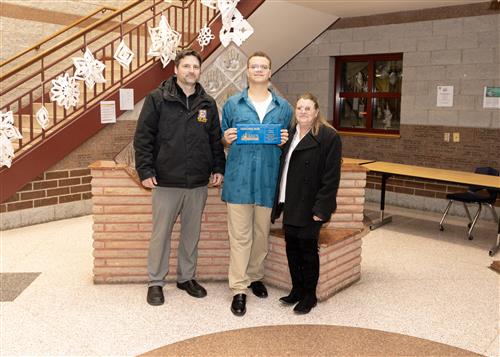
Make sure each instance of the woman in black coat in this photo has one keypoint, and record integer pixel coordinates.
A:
(306, 194)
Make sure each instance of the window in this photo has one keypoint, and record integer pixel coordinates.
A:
(368, 93)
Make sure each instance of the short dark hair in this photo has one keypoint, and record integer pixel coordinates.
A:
(259, 54)
(184, 53)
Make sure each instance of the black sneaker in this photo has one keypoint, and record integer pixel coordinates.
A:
(193, 288)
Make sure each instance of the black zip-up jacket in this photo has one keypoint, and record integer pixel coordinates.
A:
(178, 139)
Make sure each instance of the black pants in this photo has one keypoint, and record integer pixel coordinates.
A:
(303, 258)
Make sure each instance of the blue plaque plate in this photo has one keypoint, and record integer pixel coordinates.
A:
(258, 134)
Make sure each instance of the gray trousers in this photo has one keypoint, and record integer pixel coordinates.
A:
(168, 203)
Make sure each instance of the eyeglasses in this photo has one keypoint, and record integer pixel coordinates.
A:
(255, 67)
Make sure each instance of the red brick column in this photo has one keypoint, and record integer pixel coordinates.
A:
(122, 228)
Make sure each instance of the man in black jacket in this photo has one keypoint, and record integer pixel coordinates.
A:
(177, 151)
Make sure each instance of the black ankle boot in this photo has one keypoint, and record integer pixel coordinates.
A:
(306, 304)
(292, 298)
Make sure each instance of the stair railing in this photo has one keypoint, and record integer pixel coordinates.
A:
(33, 79)
(65, 29)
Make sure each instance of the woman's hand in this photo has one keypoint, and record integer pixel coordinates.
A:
(284, 137)
(317, 219)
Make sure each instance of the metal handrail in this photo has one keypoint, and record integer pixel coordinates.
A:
(76, 36)
(31, 86)
(39, 44)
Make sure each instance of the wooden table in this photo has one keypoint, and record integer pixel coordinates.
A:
(388, 169)
(348, 160)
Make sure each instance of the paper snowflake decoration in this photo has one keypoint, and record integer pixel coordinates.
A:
(65, 91)
(164, 41)
(42, 117)
(234, 27)
(8, 132)
(123, 55)
(205, 36)
(89, 69)
(210, 3)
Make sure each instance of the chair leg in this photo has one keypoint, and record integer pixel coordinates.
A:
(494, 249)
(476, 216)
(493, 211)
(441, 228)
(468, 214)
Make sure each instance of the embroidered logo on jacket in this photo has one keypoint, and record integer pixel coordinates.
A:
(202, 116)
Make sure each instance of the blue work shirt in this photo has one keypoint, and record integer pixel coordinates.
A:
(252, 169)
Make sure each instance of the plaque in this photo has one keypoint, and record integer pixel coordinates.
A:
(258, 134)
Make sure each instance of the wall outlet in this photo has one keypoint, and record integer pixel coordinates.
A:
(447, 137)
(456, 137)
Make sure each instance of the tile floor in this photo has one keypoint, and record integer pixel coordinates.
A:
(415, 280)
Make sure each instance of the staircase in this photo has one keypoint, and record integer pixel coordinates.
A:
(25, 88)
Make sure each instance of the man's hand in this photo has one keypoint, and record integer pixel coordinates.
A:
(149, 182)
(284, 137)
(316, 218)
(216, 179)
(230, 136)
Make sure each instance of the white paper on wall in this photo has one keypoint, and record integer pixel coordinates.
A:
(126, 99)
(108, 112)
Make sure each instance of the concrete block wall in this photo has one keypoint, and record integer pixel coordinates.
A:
(463, 52)
(122, 225)
(458, 47)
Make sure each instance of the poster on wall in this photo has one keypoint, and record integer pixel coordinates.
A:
(491, 97)
(444, 96)
(108, 114)
(126, 99)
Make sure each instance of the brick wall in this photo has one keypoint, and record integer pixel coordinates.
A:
(122, 224)
(51, 188)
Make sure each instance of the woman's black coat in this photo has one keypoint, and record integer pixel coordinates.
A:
(312, 180)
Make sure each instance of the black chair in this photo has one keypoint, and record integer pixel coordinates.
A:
(476, 194)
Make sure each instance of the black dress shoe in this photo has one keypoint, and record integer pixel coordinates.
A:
(305, 305)
(193, 288)
(294, 297)
(155, 295)
(238, 306)
(258, 289)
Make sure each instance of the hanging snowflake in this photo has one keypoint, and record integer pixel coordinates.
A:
(234, 27)
(205, 36)
(164, 41)
(89, 69)
(8, 132)
(210, 3)
(42, 117)
(123, 55)
(65, 91)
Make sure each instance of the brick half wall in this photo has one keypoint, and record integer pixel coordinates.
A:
(122, 225)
